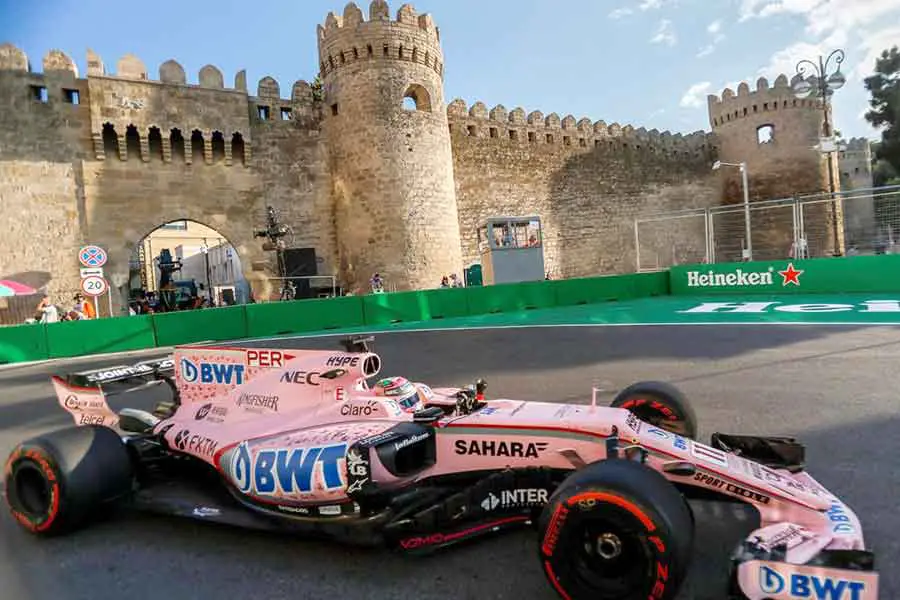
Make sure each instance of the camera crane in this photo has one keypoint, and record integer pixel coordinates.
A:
(274, 233)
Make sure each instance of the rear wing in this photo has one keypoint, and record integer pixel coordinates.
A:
(83, 394)
(146, 371)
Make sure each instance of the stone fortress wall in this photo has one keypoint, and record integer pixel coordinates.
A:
(107, 158)
(587, 181)
(370, 185)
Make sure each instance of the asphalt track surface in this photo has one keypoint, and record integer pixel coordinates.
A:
(834, 387)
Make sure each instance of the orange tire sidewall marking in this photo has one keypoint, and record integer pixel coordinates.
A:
(639, 514)
(39, 459)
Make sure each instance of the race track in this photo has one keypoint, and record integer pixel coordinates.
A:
(834, 387)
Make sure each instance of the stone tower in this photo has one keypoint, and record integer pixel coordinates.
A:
(389, 150)
(776, 134)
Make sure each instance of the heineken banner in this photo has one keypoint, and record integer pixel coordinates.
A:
(812, 276)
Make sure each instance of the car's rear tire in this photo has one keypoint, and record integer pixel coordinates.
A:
(661, 404)
(58, 481)
(616, 530)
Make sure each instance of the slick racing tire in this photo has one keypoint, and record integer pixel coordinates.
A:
(58, 481)
(616, 530)
(660, 404)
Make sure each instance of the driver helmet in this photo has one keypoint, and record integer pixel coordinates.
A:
(400, 390)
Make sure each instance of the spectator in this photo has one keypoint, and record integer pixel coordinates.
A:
(46, 312)
(83, 307)
(445, 282)
(377, 284)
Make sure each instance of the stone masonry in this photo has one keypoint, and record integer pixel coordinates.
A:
(775, 134)
(371, 184)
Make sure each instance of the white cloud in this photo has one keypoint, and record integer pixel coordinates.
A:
(643, 6)
(785, 60)
(695, 96)
(823, 17)
(665, 34)
(870, 24)
(871, 47)
(620, 12)
(714, 29)
(864, 28)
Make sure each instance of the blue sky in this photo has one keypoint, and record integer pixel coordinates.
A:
(646, 63)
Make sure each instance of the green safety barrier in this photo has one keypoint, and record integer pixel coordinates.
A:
(116, 334)
(302, 316)
(594, 290)
(405, 307)
(867, 274)
(190, 326)
(20, 343)
(510, 297)
(843, 275)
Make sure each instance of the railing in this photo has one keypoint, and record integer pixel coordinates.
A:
(865, 221)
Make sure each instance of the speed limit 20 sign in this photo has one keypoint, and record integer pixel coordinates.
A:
(94, 285)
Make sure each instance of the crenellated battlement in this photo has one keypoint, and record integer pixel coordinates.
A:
(731, 106)
(517, 126)
(131, 68)
(350, 37)
(859, 144)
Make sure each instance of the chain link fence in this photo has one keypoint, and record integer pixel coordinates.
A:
(865, 221)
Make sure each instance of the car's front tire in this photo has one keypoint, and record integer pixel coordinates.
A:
(56, 482)
(661, 404)
(616, 530)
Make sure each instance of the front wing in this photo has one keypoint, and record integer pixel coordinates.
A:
(773, 580)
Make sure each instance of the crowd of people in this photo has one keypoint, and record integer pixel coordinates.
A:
(451, 281)
(146, 303)
(82, 309)
(48, 312)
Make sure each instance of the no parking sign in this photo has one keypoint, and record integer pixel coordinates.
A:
(92, 256)
(92, 259)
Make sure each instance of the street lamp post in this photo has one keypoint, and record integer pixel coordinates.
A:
(821, 85)
(748, 252)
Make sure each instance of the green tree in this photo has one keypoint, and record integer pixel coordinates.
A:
(316, 86)
(884, 87)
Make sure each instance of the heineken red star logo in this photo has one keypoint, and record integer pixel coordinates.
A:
(790, 275)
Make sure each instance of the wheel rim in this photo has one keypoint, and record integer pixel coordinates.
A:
(32, 491)
(611, 559)
(643, 409)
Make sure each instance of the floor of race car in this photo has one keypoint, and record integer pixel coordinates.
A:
(832, 386)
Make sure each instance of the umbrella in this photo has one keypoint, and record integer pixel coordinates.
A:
(14, 288)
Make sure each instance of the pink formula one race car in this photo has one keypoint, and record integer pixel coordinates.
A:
(297, 441)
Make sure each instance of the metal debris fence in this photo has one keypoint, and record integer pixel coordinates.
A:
(807, 226)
